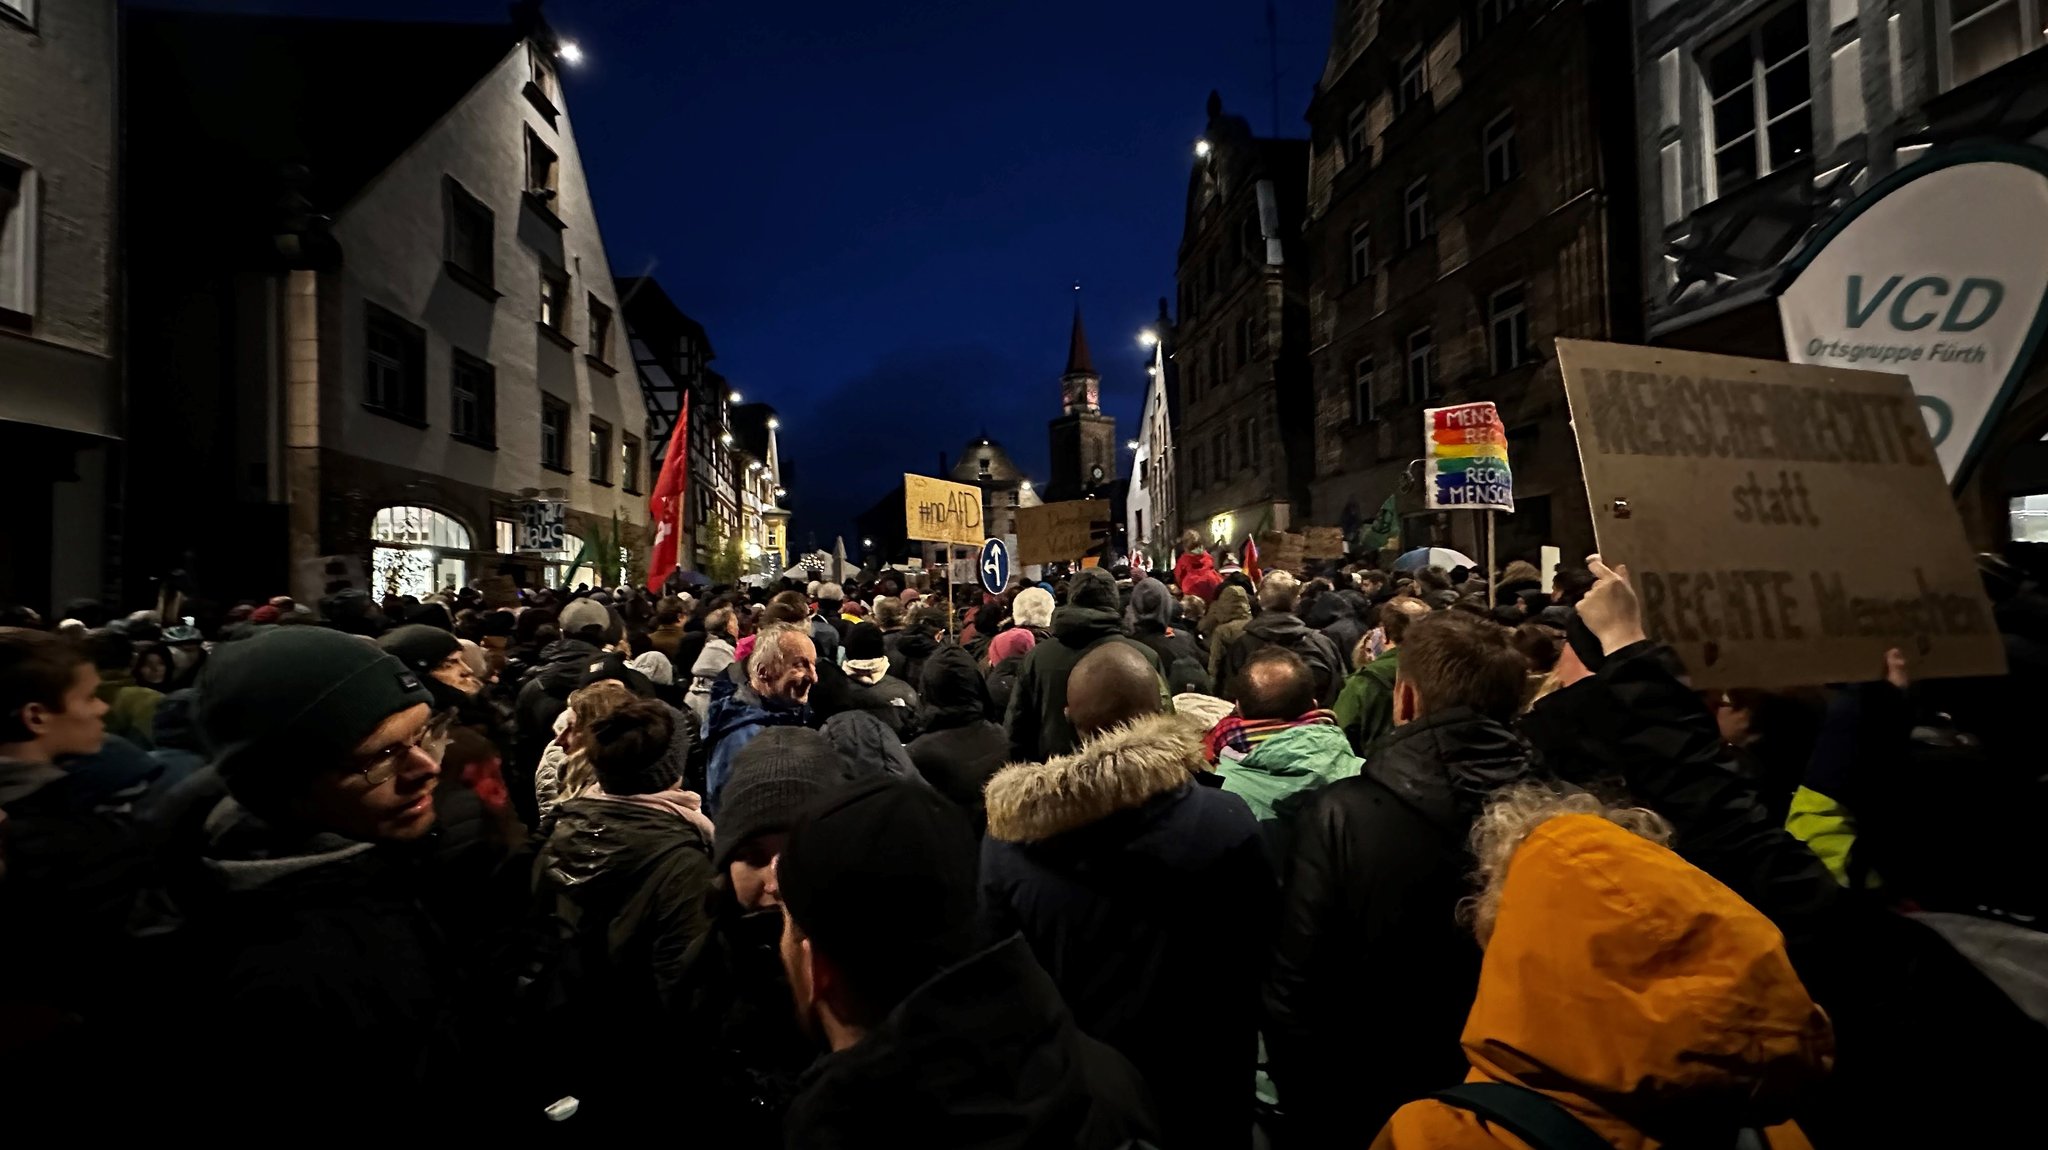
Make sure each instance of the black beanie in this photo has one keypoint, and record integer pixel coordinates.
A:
(291, 702)
(420, 646)
(864, 641)
(880, 876)
(773, 776)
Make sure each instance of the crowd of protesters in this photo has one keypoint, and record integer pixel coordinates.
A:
(1340, 857)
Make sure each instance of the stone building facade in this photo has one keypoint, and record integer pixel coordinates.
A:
(1466, 166)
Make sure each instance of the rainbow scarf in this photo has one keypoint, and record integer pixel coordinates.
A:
(1234, 736)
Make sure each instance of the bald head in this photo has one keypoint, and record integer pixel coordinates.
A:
(1275, 684)
(1112, 684)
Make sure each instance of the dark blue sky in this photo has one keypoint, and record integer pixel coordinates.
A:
(878, 209)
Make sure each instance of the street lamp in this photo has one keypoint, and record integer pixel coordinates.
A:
(867, 543)
(1131, 446)
(570, 53)
(732, 397)
(1202, 149)
(725, 437)
(1148, 338)
(773, 423)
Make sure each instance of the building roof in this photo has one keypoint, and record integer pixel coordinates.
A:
(1002, 470)
(248, 99)
(1079, 362)
(654, 317)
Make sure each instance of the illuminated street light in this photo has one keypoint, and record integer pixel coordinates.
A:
(570, 53)
(754, 466)
(725, 438)
(1202, 148)
(1148, 338)
(732, 397)
(1131, 446)
(773, 423)
(867, 543)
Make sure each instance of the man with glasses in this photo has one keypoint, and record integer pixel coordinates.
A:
(314, 908)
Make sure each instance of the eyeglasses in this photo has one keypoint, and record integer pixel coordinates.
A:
(432, 741)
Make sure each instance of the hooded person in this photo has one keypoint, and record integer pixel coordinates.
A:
(587, 629)
(1626, 997)
(940, 1034)
(712, 661)
(1195, 571)
(1036, 721)
(909, 648)
(960, 749)
(1223, 622)
(867, 666)
(740, 1045)
(309, 909)
(1147, 896)
(1278, 626)
(1378, 867)
(1334, 615)
(1180, 652)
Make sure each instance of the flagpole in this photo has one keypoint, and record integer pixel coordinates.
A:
(1491, 578)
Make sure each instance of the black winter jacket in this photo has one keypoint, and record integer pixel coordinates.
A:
(740, 1047)
(984, 1055)
(960, 749)
(1150, 900)
(1372, 975)
(1181, 656)
(1036, 720)
(1284, 629)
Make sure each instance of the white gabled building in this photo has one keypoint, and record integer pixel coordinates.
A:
(406, 324)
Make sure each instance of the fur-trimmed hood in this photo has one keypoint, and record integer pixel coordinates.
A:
(1120, 769)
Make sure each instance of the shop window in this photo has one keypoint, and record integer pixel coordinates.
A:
(1987, 34)
(2027, 516)
(1761, 95)
(417, 551)
(502, 528)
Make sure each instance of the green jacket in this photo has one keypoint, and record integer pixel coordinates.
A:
(1297, 761)
(1365, 707)
(131, 708)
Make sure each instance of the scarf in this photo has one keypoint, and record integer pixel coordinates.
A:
(686, 805)
(1234, 736)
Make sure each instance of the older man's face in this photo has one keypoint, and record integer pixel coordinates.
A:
(788, 680)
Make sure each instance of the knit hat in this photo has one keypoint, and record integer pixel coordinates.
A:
(264, 614)
(289, 703)
(420, 646)
(583, 613)
(880, 876)
(1032, 608)
(773, 776)
(1015, 641)
(864, 641)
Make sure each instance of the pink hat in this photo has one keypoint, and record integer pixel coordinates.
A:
(1015, 641)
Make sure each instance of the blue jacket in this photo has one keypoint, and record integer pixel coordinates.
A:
(735, 716)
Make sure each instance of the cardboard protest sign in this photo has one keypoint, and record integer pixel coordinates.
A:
(1324, 542)
(1466, 458)
(1059, 532)
(499, 591)
(1283, 551)
(941, 512)
(1783, 524)
(538, 524)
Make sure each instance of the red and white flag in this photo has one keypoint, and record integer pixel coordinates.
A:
(665, 506)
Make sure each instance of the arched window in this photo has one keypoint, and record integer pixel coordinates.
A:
(409, 556)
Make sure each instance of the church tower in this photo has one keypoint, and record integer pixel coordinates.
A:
(1083, 438)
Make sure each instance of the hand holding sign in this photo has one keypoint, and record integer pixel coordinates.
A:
(1610, 609)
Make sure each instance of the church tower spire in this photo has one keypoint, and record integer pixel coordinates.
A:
(1083, 436)
(1081, 385)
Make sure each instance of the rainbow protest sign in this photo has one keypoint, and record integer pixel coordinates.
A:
(1468, 458)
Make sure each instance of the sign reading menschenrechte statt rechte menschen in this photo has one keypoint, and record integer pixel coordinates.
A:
(1466, 458)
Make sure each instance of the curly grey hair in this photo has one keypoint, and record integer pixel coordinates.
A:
(770, 654)
(1508, 820)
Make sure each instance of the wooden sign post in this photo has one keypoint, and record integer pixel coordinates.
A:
(1783, 524)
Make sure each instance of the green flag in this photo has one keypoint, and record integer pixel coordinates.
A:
(1384, 526)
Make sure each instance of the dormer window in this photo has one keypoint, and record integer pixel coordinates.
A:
(543, 88)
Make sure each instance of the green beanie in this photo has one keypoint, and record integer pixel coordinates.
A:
(278, 708)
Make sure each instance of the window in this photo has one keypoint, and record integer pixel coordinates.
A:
(540, 168)
(1497, 144)
(1507, 329)
(1415, 225)
(541, 75)
(554, 299)
(1356, 149)
(1361, 253)
(470, 238)
(1421, 365)
(982, 468)
(1144, 475)
(686, 350)
(1252, 237)
(410, 550)
(395, 366)
(1249, 429)
(1414, 83)
(1221, 456)
(600, 347)
(1247, 337)
(600, 452)
(1760, 91)
(1014, 497)
(1984, 34)
(1363, 409)
(473, 400)
(554, 434)
(1195, 466)
(1216, 363)
(629, 462)
(1488, 15)
(502, 529)
(2027, 518)
(18, 216)
(1193, 375)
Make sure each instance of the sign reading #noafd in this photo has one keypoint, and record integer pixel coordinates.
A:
(939, 511)
(1783, 524)
(1927, 275)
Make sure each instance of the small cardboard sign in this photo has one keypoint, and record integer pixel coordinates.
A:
(939, 511)
(1783, 524)
(1283, 551)
(1466, 458)
(1324, 542)
(499, 591)
(1059, 532)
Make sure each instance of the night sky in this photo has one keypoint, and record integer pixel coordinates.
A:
(878, 210)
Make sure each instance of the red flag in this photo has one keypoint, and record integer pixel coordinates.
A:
(665, 506)
(1251, 561)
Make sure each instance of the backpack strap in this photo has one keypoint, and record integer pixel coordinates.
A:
(1524, 1113)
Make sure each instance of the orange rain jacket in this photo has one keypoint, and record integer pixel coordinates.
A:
(1636, 992)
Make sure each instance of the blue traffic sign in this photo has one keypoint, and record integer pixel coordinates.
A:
(995, 566)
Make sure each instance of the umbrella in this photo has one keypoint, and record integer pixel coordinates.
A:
(1442, 557)
(693, 578)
